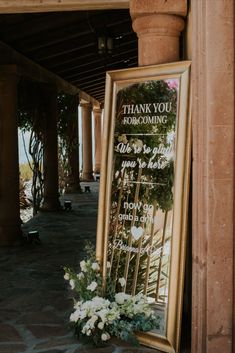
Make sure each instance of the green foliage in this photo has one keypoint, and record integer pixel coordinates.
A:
(32, 103)
(67, 106)
(152, 135)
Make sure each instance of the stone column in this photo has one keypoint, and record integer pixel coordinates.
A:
(9, 161)
(73, 181)
(50, 156)
(97, 111)
(87, 170)
(158, 25)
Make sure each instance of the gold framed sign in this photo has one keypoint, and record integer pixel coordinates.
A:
(144, 190)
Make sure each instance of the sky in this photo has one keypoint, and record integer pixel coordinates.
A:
(22, 155)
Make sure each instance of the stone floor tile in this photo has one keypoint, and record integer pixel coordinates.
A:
(43, 331)
(47, 317)
(55, 342)
(9, 333)
(34, 295)
(92, 349)
(54, 351)
(141, 349)
(12, 348)
(6, 315)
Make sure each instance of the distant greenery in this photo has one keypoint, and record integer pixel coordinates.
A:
(26, 173)
(33, 114)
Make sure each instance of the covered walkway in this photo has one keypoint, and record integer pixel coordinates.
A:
(35, 303)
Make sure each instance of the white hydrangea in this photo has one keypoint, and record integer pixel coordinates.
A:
(121, 297)
(113, 314)
(92, 286)
(77, 305)
(135, 305)
(100, 302)
(78, 315)
(95, 266)
(122, 281)
(103, 314)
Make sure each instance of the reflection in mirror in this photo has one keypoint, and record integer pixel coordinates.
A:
(140, 230)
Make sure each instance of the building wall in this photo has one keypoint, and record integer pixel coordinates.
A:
(213, 175)
(212, 40)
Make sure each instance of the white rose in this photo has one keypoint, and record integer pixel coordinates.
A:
(88, 333)
(122, 281)
(108, 264)
(66, 276)
(83, 266)
(92, 286)
(72, 283)
(95, 266)
(101, 325)
(105, 336)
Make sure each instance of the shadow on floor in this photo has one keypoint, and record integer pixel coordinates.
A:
(35, 303)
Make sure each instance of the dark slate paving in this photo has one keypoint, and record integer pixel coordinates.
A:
(35, 303)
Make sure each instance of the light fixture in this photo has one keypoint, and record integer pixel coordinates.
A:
(33, 237)
(67, 205)
(105, 45)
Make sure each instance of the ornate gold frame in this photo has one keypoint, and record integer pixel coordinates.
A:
(180, 70)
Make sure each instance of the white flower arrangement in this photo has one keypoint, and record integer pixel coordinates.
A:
(98, 316)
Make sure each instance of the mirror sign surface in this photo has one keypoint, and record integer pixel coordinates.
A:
(140, 229)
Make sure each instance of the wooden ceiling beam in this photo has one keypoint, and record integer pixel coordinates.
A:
(93, 84)
(96, 72)
(63, 48)
(76, 56)
(86, 69)
(84, 75)
(35, 72)
(82, 27)
(97, 91)
(70, 45)
(124, 49)
(36, 25)
(100, 95)
(67, 59)
(19, 6)
(100, 98)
